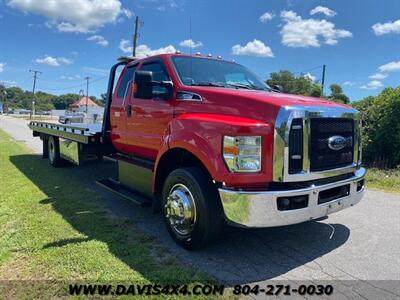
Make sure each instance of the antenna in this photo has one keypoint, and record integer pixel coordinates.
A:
(190, 35)
(190, 48)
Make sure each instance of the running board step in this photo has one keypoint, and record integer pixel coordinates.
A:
(116, 187)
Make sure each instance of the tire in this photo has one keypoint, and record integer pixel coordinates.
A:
(54, 152)
(192, 188)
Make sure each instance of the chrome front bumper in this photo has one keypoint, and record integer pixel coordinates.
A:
(260, 209)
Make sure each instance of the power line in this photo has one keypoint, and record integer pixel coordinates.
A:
(74, 86)
(308, 70)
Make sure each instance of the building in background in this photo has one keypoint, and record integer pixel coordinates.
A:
(80, 105)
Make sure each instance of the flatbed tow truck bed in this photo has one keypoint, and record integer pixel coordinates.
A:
(79, 132)
(77, 142)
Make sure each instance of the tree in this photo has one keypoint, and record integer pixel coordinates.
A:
(381, 128)
(337, 94)
(301, 85)
(304, 85)
(64, 101)
(316, 91)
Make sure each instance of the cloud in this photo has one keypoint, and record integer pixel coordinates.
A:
(190, 44)
(82, 16)
(310, 76)
(54, 61)
(372, 85)
(349, 83)
(96, 71)
(75, 77)
(298, 32)
(165, 4)
(389, 27)
(323, 10)
(99, 40)
(254, 48)
(390, 67)
(8, 83)
(144, 50)
(378, 76)
(266, 17)
(125, 46)
(2, 67)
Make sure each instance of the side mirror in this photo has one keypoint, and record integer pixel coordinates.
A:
(278, 88)
(143, 84)
(146, 88)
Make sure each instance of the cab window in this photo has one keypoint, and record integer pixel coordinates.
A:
(127, 77)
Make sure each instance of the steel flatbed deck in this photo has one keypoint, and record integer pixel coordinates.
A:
(82, 133)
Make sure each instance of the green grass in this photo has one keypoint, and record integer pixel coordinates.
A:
(386, 180)
(54, 227)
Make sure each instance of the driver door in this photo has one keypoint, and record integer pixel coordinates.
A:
(149, 118)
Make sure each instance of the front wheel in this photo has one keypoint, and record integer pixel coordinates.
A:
(191, 208)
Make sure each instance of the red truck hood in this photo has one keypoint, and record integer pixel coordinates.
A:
(274, 99)
(256, 105)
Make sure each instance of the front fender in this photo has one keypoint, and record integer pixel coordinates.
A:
(202, 134)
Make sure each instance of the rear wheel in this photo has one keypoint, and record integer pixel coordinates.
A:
(191, 208)
(54, 151)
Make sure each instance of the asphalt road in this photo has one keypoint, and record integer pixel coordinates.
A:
(359, 243)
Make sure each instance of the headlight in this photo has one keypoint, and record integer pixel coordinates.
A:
(242, 153)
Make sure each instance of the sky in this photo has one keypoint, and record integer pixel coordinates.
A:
(68, 40)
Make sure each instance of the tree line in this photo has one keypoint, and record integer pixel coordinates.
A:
(304, 85)
(16, 98)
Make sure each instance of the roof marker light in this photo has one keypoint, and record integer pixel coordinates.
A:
(178, 52)
(219, 57)
(209, 55)
(198, 54)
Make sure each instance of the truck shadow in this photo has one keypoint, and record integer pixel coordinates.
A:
(240, 256)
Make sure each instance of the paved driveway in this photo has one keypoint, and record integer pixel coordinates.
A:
(365, 243)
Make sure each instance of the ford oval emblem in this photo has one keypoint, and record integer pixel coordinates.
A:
(336, 142)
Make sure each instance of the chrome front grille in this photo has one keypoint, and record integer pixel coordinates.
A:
(303, 150)
(322, 157)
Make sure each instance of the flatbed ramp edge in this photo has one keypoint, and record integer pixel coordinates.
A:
(82, 133)
(76, 142)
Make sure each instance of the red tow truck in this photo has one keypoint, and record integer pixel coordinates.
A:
(206, 142)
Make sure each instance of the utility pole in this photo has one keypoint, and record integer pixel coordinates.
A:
(135, 36)
(35, 72)
(323, 80)
(87, 92)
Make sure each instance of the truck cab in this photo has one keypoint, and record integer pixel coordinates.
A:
(207, 143)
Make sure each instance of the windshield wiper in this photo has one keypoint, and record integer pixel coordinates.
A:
(208, 84)
(224, 85)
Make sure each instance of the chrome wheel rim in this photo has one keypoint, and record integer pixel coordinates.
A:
(52, 151)
(180, 209)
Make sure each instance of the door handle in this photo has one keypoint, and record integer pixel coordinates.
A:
(129, 111)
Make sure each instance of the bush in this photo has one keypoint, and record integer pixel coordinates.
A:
(381, 128)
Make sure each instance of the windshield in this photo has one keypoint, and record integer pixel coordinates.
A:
(198, 71)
